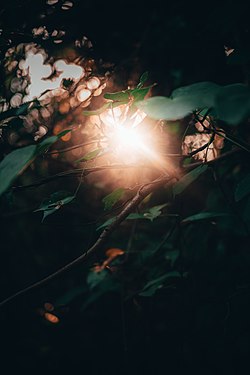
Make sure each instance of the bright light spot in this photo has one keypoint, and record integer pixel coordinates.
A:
(82, 94)
(39, 73)
(93, 83)
(131, 143)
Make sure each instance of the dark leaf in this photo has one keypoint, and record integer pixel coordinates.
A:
(152, 286)
(111, 199)
(243, 188)
(186, 180)
(232, 103)
(203, 216)
(14, 164)
(54, 203)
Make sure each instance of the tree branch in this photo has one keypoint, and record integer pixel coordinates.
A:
(142, 193)
(214, 161)
(79, 171)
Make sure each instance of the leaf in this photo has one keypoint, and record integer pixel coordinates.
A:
(190, 177)
(22, 110)
(54, 203)
(203, 216)
(201, 94)
(47, 142)
(14, 164)
(151, 214)
(97, 111)
(95, 278)
(152, 286)
(182, 102)
(90, 155)
(119, 96)
(154, 212)
(160, 107)
(232, 103)
(106, 223)
(243, 188)
(142, 80)
(140, 93)
(111, 199)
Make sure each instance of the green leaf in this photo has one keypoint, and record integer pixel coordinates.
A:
(95, 278)
(142, 80)
(232, 103)
(119, 96)
(14, 164)
(90, 155)
(182, 102)
(47, 142)
(160, 107)
(154, 212)
(106, 223)
(203, 216)
(190, 177)
(97, 111)
(139, 94)
(151, 214)
(243, 188)
(22, 110)
(111, 199)
(54, 203)
(199, 95)
(152, 286)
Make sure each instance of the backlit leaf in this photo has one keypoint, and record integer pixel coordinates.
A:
(90, 155)
(111, 199)
(119, 96)
(142, 80)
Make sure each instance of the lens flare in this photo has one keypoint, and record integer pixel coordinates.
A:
(129, 139)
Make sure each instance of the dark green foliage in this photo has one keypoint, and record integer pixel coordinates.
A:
(188, 178)
(111, 199)
(54, 203)
(14, 164)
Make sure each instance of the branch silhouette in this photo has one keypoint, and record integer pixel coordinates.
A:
(142, 193)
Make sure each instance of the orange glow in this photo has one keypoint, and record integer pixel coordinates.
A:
(51, 318)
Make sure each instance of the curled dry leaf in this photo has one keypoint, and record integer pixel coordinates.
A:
(67, 5)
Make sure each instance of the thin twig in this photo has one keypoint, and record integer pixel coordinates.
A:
(61, 151)
(141, 194)
(214, 161)
(78, 171)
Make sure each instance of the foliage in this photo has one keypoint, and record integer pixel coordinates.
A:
(154, 252)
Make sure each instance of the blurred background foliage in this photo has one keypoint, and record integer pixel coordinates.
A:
(177, 299)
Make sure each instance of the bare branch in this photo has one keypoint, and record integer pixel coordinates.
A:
(214, 161)
(61, 151)
(79, 172)
(142, 193)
